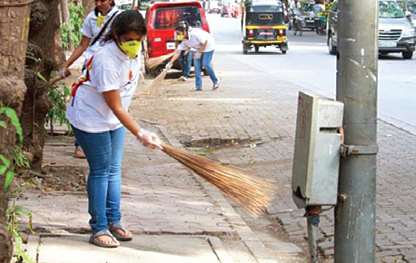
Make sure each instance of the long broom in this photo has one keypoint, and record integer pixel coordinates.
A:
(158, 80)
(154, 62)
(252, 193)
(152, 89)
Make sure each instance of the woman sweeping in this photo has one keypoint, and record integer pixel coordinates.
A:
(98, 113)
(204, 45)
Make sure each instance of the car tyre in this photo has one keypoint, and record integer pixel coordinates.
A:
(331, 48)
(283, 48)
(245, 49)
(407, 54)
(256, 49)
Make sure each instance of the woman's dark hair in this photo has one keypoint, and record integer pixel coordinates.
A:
(126, 21)
(182, 26)
(113, 3)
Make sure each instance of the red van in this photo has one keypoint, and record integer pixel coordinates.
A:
(161, 21)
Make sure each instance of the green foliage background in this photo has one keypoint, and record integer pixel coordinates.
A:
(71, 31)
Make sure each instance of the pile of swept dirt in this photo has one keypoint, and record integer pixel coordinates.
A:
(58, 179)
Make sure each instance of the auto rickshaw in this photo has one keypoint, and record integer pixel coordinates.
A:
(263, 25)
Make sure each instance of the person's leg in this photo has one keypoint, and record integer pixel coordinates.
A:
(97, 148)
(187, 70)
(186, 63)
(207, 64)
(114, 182)
(114, 187)
(182, 61)
(198, 79)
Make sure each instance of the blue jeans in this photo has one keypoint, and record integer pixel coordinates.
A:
(104, 152)
(207, 64)
(186, 61)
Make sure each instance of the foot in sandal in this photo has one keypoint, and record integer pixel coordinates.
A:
(120, 233)
(104, 239)
(79, 153)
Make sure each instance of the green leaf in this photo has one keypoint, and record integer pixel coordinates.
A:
(14, 214)
(30, 223)
(8, 180)
(11, 114)
(41, 77)
(19, 250)
(20, 210)
(20, 159)
(67, 91)
(26, 258)
(3, 124)
(5, 164)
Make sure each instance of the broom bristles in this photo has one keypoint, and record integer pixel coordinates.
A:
(152, 89)
(252, 193)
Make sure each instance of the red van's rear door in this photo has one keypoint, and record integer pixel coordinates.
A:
(162, 24)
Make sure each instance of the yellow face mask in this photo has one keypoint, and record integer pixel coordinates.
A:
(100, 20)
(131, 48)
(180, 36)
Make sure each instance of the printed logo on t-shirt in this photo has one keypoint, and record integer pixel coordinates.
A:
(100, 20)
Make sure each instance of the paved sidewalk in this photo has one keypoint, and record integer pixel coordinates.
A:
(252, 125)
(174, 215)
(245, 124)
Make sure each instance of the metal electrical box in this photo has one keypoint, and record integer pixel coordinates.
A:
(317, 151)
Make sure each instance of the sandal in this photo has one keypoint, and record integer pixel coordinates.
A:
(124, 236)
(94, 239)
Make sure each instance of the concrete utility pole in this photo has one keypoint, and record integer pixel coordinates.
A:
(357, 89)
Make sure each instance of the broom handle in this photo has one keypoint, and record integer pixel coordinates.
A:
(159, 60)
(162, 147)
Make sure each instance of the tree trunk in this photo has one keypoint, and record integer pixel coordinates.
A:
(88, 5)
(44, 55)
(14, 28)
(65, 11)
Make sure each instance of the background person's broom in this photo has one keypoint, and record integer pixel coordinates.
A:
(252, 193)
(154, 62)
(158, 80)
(152, 88)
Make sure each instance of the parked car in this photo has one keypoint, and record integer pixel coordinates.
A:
(306, 14)
(161, 21)
(225, 10)
(124, 4)
(396, 33)
(409, 7)
(214, 7)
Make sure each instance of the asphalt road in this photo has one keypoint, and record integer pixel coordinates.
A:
(308, 66)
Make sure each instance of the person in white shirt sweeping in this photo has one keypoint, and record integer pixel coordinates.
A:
(204, 44)
(98, 113)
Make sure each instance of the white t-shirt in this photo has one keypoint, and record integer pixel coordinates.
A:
(197, 37)
(111, 70)
(90, 29)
